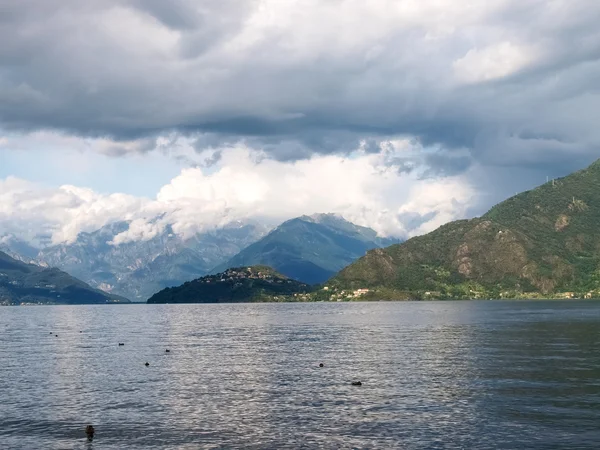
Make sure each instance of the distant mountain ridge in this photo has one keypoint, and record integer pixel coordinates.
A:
(18, 249)
(138, 269)
(309, 248)
(540, 243)
(27, 283)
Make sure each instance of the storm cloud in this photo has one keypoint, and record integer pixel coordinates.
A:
(407, 113)
(502, 82)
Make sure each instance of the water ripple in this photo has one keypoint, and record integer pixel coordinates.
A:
(437, 375)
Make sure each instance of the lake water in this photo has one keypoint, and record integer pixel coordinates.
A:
(435, 375)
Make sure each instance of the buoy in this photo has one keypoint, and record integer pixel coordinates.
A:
(89, 430)
(147, 364)
(356, 383)
(321, 365)
(56, 335)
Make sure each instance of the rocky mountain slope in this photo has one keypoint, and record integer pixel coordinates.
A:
(139, 269)
(241, 284)
(18, 249)
(309, 248)
(27, 283)
(541, 243)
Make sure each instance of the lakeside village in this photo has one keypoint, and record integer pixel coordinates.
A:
(290, 290)
(332, 293)
(237, 276)
(6, 300)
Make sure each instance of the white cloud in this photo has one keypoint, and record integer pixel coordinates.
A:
(31, 211)
(444, 200)
(365, 188)
(495, 61)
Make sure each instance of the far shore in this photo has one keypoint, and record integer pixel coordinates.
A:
(521, 299)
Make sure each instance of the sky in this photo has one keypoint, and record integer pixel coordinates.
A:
(401, 115)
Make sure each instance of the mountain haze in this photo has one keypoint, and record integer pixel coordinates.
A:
(309, 248)
(22, 282)
(18, 249)
(139, 268)
(544, 242)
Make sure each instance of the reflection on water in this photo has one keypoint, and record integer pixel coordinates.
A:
(434, 375)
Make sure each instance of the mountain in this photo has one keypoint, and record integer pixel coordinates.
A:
(541, 243)
(27, 283)
(309, 248)
(140, 268)
(18, 249)
(241, 284)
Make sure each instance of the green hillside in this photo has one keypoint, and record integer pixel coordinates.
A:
(541, 243)
(240, 284)
(28, 283)
(309, 248)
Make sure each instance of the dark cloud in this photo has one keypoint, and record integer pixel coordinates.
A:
(445, 164)
(122, 148)
(213, 159)
(405, 167)
(516, 85)
(432, 163)
(175, 14)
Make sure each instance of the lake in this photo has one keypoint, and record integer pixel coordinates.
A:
(435, 375)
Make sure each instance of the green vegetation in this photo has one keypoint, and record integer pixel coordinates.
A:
(241, 284)
(22, 283)
(544, 243)
(309, 249)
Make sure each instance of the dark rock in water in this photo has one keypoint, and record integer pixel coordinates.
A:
(167, 351)
(89, 431)
(147, 364)
(356, 383)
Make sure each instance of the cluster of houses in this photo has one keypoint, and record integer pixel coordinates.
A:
(346, 295)
(243, 274)
(587, 295)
